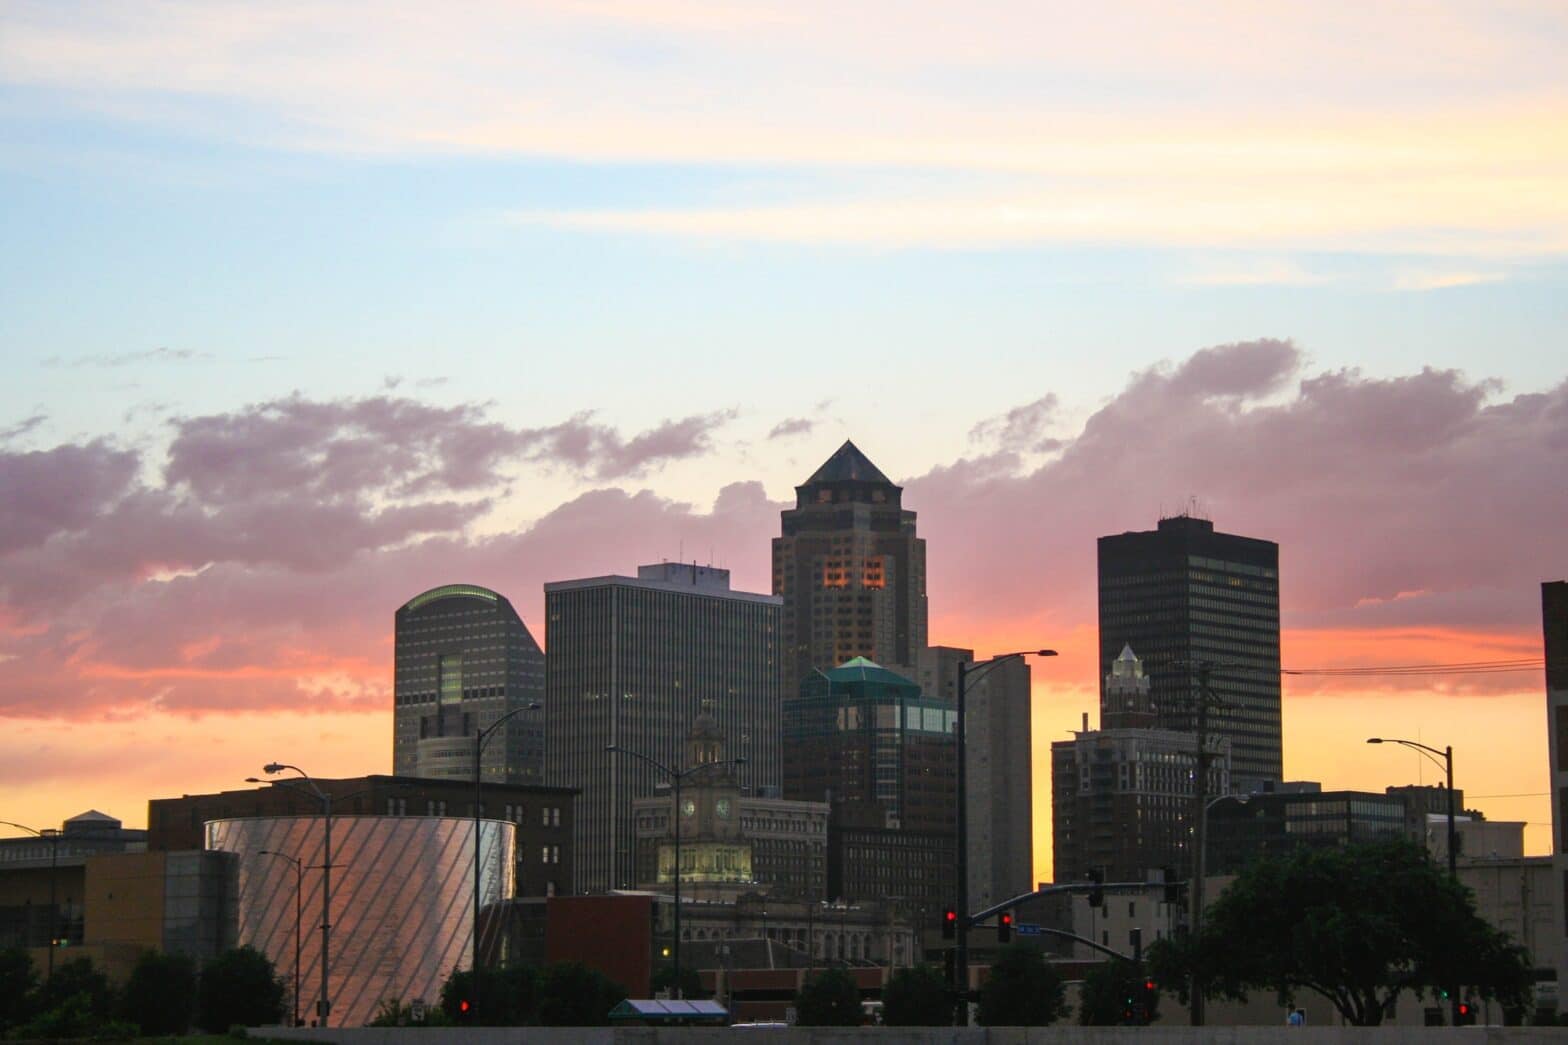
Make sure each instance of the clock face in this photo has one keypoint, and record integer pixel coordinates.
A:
(688, 808)
(722, 807)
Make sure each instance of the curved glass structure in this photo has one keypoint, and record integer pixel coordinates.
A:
(402, 901)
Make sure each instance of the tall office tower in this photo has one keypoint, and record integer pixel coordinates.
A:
(850, 570)
(632, 661)
(1000, 779)
(1121, 796)
(462, 659)
(1554, 625)
(1183, 595)
(865, 740)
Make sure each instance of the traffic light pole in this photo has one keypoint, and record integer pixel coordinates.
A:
(1200, 788)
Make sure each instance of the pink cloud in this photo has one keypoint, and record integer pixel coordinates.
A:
(263, 570)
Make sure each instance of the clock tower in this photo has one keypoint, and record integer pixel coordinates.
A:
(714, 851)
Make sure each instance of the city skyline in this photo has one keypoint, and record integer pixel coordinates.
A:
(307, 312)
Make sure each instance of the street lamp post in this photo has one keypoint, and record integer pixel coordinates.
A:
(1447, 755)
(676, 777)
(53, 835)
(299, 889)
(271, 768)
(961, 962)
(482, 737)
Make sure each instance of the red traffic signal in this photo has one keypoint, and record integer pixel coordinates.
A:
(1148, 985)
(1004, 927)
(462, 1006)
(949, 923)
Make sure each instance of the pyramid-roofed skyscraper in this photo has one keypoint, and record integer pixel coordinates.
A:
(851, 572)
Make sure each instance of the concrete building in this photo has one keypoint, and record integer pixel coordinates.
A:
(732, 842)
(113, 905)
(850, 571)
(462, 659)
(998, 718)
(1554, 626)
(401, 906)
(1122, 795)
(631, 662)
(1183, 595)
(543, 816)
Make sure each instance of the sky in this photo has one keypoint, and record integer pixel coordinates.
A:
(306, 308)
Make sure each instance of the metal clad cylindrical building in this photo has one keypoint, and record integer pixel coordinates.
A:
(402, 901)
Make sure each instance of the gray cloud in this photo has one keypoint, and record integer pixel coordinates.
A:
(119, 359)
(792, 426)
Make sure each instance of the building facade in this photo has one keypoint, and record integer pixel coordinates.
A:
(463, 658)
(1247, 828)
(1554, 627)
(1122, 795)
(732, 842)
(632, 662)
(850, 571)
(542, 816)
(401, 905)
(999, 780)
(1185, 596)
(866, 741)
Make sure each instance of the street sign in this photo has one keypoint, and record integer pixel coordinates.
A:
(1026, 929)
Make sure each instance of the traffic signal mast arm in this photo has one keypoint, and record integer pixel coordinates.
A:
(1056, 890)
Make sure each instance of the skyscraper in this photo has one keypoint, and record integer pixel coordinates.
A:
(1122, 795)
(1554, 628)
(632, 661)
(999, 772)
(865, 740)
(1183, 595)
(462, 659)
(850, 570)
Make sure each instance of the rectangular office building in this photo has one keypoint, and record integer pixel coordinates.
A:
(632, 661)
(1184, 596)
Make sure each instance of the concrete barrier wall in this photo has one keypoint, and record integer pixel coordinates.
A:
(1059, 1035)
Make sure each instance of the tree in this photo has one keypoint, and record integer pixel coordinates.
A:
(1116, 993)
(1022, 990)
(18, 984)
(507, 997)
(917, 997)
(78, 978)
(691, 981)
(239, 986)
(160, 994)
(572, 995)
(1358, 925)
(828, 999)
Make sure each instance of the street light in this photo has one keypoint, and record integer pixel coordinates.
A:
(481, 738)
(1447, 755)
(676, 776)
(299, 888)
(53, 835)
(961, 959)
(324, 1004)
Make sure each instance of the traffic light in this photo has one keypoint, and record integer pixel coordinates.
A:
(1151, 993)
(950, 964)
(1464, 1015)
(949, 923)
(1004, 927)
(1097, 895)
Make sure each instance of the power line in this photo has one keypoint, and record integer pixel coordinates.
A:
(1470, 667)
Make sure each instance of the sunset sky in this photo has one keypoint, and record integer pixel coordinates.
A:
(307, 307)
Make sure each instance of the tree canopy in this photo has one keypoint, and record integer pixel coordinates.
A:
(1358, 925)
(160, 995)
(917, 997)
(1115, 993)
(829, 998)
(239, 986)
(1022, 990)
(561, 994)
